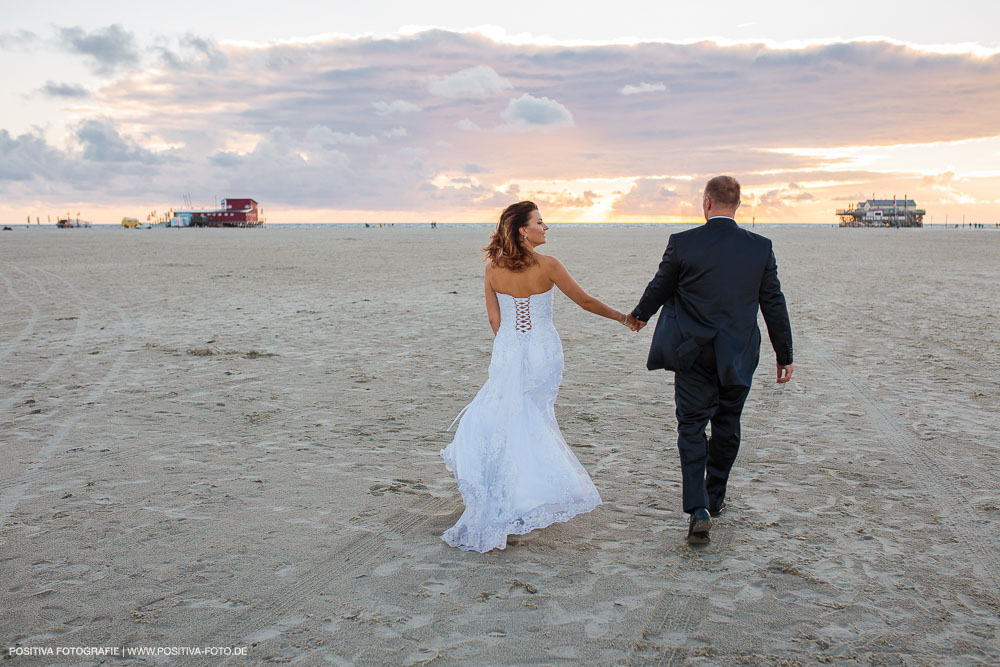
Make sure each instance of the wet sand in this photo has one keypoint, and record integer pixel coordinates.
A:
(231, 438)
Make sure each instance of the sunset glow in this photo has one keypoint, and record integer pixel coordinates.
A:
(422, 122)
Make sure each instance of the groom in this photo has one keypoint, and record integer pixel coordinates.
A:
(711, 281)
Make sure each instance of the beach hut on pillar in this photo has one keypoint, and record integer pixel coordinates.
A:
(883, 213)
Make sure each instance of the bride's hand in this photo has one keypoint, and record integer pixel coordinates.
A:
(632, 323)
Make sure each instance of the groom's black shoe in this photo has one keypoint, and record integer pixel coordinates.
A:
(716, 510)
(698, 529)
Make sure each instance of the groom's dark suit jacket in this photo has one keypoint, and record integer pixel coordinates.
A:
(711, 281)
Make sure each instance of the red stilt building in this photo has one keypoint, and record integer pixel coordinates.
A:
(231, 213)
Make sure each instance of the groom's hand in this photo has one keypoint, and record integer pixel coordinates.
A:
(785, 372)
(632, 323)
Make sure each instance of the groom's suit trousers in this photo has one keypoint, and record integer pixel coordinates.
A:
(700, 399)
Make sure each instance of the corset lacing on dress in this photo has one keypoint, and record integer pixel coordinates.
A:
(522, 314)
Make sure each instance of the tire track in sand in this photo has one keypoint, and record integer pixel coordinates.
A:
(925, 469)
(357, 552)
(66, 352)
(28, 328)
(10, 497)
(972, 368)
(107, 458)
(940, 349)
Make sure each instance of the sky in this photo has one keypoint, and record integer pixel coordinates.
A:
(449, 111)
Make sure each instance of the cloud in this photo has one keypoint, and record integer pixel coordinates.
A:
(17, 40)
(394, 107)
(101, 142)
(776, 202)
(25, 156)
(658, 197)
(566, 199)
(642, 88)
(110, 48)
(226, 159)
(473, 82)
(102, 165)
(281, 167)
(287, 168)
(853, 197)
(528, 112)
(194, 51)
(320, 123)
(66, 90)
(326, 137)
(944, 179)
(492, 200)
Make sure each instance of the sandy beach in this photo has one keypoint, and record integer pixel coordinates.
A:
(230, 438)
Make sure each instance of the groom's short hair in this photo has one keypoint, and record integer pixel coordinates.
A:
(724, 190)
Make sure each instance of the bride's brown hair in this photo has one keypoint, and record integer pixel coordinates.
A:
(507, 248)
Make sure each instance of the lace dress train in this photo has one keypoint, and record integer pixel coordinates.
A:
(513, 467)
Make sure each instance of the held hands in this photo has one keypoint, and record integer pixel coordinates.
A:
(785, 373)
(632, 323)
(628, 320)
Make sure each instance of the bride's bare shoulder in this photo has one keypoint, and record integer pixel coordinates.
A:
(497, 276)
(550, 264)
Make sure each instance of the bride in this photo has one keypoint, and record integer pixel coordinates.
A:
(514, 469)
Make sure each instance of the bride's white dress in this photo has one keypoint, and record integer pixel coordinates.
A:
(514, 469)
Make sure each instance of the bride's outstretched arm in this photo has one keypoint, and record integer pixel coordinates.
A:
(492, 306)
(565, 282)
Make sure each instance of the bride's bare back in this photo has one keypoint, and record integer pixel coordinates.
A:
(537, 279)
(532, 280)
